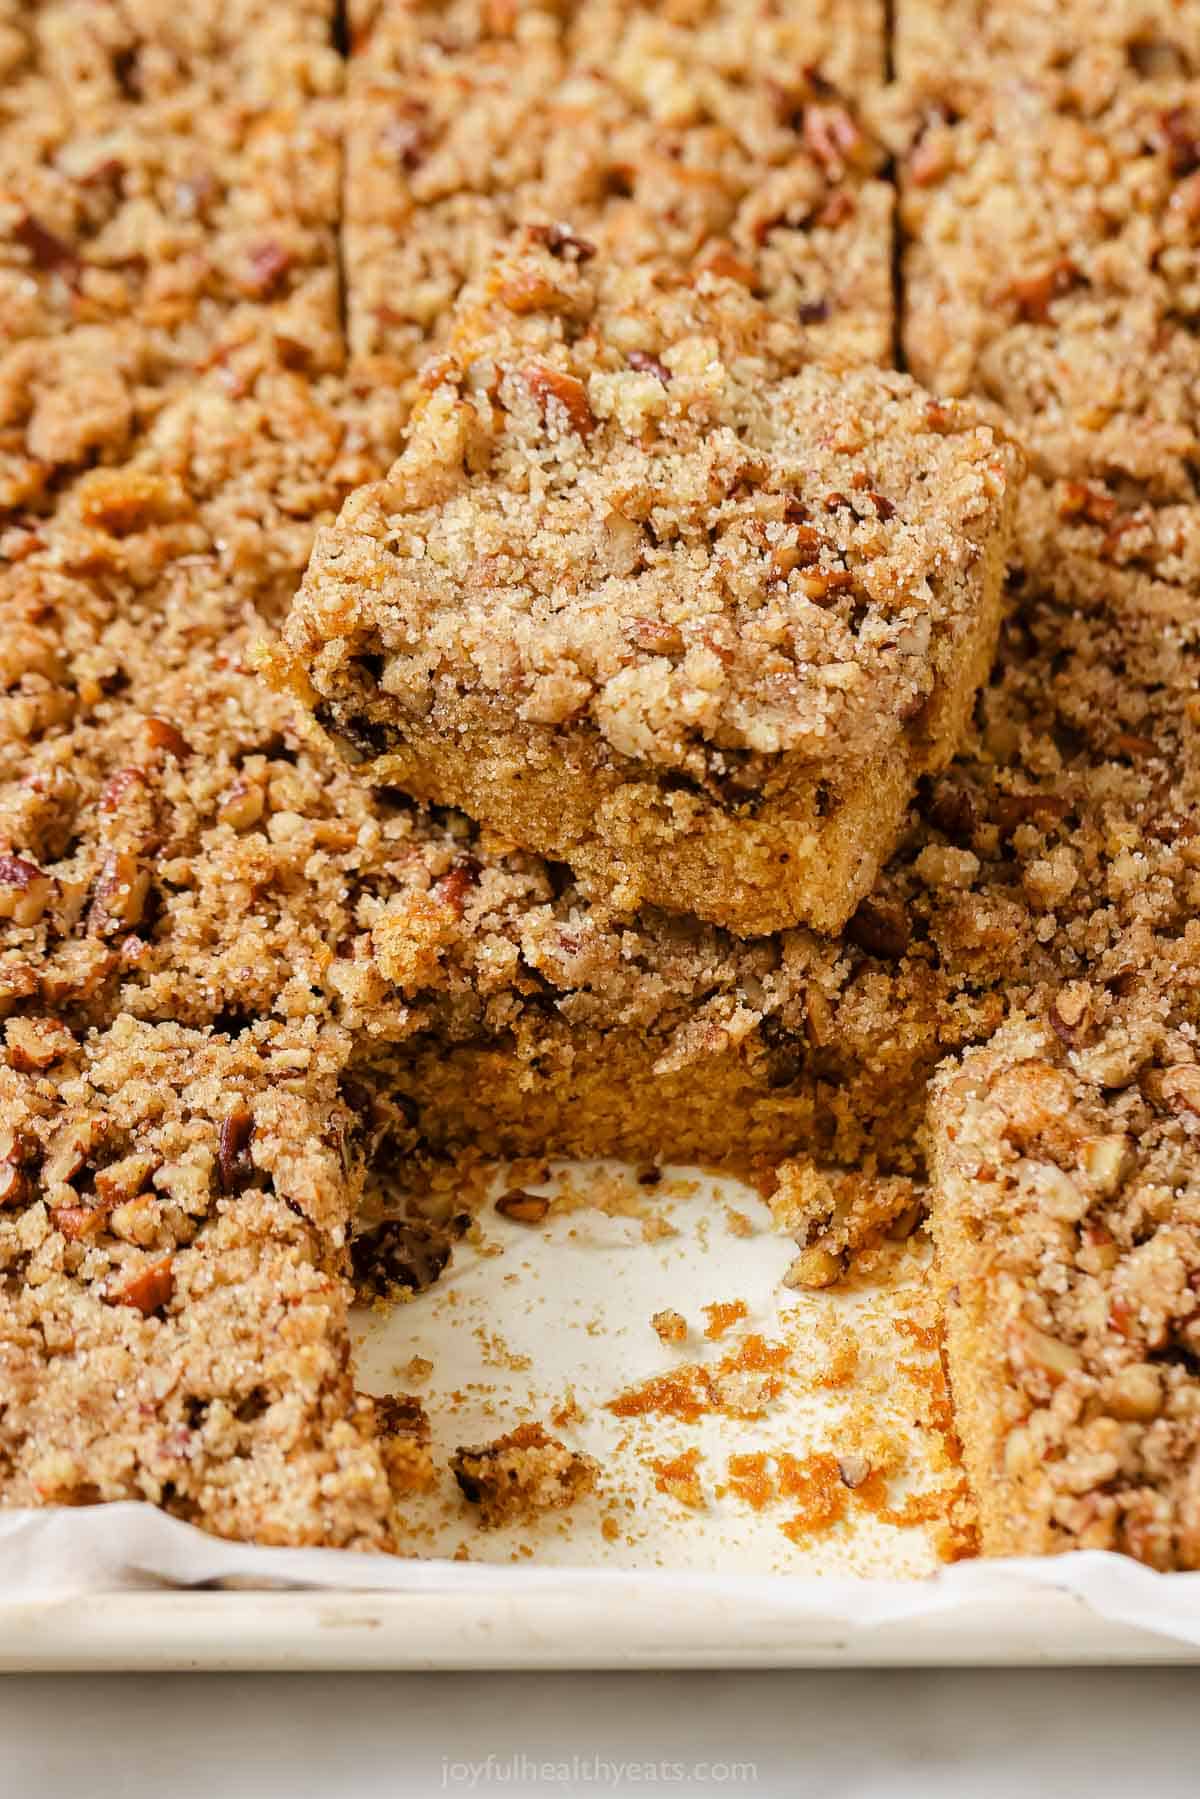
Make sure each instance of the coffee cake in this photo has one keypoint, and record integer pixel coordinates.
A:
(204, 914)
(690, 629)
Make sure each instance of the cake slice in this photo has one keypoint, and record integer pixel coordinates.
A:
(692, 630)
(1066, 1212)
(173, 1309)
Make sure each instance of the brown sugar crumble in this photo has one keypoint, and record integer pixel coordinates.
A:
(519, 1476)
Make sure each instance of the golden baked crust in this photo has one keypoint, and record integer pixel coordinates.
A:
(694, 630)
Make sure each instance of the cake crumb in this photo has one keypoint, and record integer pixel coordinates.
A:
(722, 1315)
(522, 1474)
(678, 1477)
(669, 1326)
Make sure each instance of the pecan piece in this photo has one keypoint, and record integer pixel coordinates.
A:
(78, 1223)
(645, 364)
(14, 1185)
(159, 738)
(46, 250)
(25, 890)
(823, 584)
(121, 502)
(1179, 136)
(149, 1290)
(35, 1044)
(234, 1166)
(558, 392)
(409, 140)
(1069, 1014)
(560, 240)
(831, 136)
(722, 261)
(1045, 810)
(522, 1207)
(1079, 499)
(120, 897)
(655, 635)
(456, 883)
(268, 265)
(1181, 1088)
(1034, 295)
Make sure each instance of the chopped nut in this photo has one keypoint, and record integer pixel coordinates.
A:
(46, 250)
(234, 1165)
(1180, 138)
(881, 927)
(35, 1044)
(832, 136)
(819, 585)
(78, 1223)
(1105, 1159)
(1181, 1088)
(149, 1290)
(1077, 499)
(14, 1185)
(1035, 294)
(649, 365)
(121, 893)
(854, 1470)
(1029, 1347)
(560, 240)
(1069, 1013)
(268, 265)
(1058, 1195)
(722, 261)
(25, 890)
(69, 1149)
(125, 500)
(135, 1221)
(243, 806)
(124, 1179)
(655, 635)
(559, 392)
(815, 1267)
(1136, 1393)
(162, 739)
(522, 1207)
